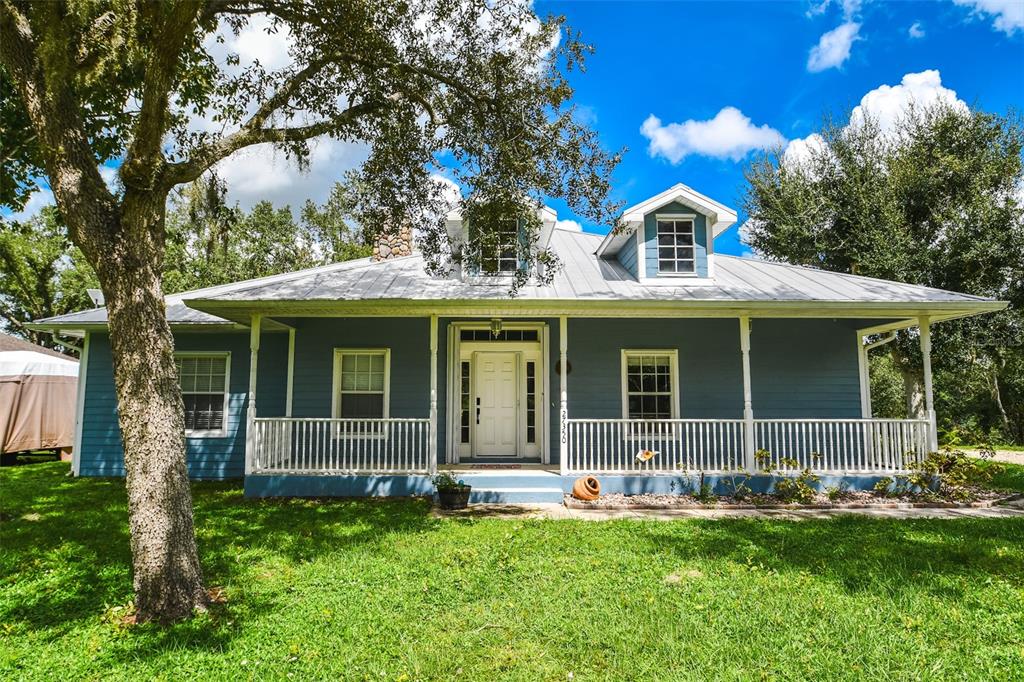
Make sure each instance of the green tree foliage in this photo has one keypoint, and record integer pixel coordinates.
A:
(334, 226)
(482, 85)
(44, 274)
(935, 201)
(210, 242)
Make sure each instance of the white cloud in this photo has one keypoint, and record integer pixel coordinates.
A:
(886, 104)
(1009, 14)
(568, 225)
(849, 7)
(39, 199)
(833, 48)
(800, 151)
(111, 178)
(264, 172)
(259, 41)
(729, 135)
(916, 30)
(449, 189)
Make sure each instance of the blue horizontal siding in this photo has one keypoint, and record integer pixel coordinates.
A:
(627, 256)
(208, 458)
(800, 368)
(710, 369)
(804, 368)
(408, 338)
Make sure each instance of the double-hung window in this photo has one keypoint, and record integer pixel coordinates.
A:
(361, 379)
(675, 246)
(499, 254)
(649, 384)
(204, 390)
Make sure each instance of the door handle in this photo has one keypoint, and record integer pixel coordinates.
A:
(478, 411)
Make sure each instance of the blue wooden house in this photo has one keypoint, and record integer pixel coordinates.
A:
(365, 377)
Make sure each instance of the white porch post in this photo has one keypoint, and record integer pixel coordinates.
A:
(749, 446)
(432, 449)
(563, 406)
(289, 389)
(250, 412)
(926, 356)
(83, 374)
(864, 369)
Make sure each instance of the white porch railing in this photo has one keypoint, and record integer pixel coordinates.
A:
(341, 446)
(843, 445)
(610, 446)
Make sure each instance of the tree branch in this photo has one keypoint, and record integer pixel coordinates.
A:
(172, 25)
(207, 155)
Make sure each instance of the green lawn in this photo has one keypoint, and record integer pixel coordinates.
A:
(1009, 476)
(379, 590)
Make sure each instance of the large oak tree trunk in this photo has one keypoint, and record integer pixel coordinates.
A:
(167, 575)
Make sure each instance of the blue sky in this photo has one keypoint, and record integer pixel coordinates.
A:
(695, 89)
(686, 61)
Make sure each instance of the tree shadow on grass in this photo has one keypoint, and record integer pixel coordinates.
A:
(861, 553)
(66, 556)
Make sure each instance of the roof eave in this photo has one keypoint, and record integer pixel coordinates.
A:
(240, 311)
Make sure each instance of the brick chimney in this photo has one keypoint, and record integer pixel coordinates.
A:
(391, 245)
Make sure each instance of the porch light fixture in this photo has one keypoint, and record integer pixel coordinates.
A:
(495, 327)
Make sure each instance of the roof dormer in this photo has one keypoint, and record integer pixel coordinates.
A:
(669, 238)
(499, 253)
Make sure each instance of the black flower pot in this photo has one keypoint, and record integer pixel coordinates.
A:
(454, 498)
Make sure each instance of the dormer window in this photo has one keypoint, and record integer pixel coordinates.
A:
(675, 245)
(498, 249)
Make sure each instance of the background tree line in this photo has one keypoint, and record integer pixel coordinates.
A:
(934, 199)
(209, 242)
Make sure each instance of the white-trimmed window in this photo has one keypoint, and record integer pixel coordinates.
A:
(361, 383)
(676, 248)
(499, 253)
(204, 380)
(650, 381)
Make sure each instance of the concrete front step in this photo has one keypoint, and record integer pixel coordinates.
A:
(511, 486)
(508, 478)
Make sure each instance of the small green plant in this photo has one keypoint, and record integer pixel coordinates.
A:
(837, 493)
(763, 459)
(884, 487)
(445, 481)
(704, 493)
(737, 486)
(953, 474)
(789, 489)
(797, 488)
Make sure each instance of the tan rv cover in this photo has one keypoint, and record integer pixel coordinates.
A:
(37, 401)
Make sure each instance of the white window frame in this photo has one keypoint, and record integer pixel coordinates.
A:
(673, 356)
(498, 259)
(210, 433)
(336, 381)
(676, 217)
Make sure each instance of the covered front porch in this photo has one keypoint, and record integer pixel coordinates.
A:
(494, 400)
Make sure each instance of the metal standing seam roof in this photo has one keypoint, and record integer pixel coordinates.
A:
(583, 277)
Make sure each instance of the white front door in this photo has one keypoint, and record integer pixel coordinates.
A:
(496, 432)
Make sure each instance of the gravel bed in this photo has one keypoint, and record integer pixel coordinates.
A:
(851, 499)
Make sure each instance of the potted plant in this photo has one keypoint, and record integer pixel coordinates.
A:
(451, 494)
